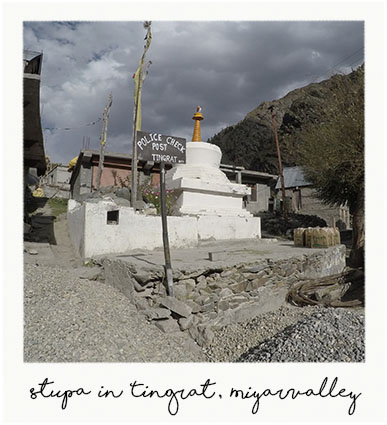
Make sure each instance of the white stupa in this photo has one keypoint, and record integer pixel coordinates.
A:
(203, 190)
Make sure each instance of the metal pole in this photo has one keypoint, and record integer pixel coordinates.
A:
(284, 209)
(167, 254)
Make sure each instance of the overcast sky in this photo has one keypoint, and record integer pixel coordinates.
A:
(228, 68)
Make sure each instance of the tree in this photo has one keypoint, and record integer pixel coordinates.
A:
(332, 155)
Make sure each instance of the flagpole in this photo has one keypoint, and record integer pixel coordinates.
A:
(133, 186)
(103, 139)
(140, 77)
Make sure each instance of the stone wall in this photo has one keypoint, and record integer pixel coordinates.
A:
(209, 298)
(311, 205)
(259, 200)
(62, 191)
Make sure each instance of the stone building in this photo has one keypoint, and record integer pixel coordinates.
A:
(301, 198)
(260, 183)
(34, 159)
(116, 169)
(33, 152)
(56, 182)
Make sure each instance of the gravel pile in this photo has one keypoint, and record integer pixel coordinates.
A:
(67, 319)
(232, 341)
(330, 335)
(272, 332)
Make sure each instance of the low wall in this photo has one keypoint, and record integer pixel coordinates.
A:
(56, 192)
(106, 227)
(218, 295)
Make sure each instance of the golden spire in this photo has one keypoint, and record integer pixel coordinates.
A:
(198, 116)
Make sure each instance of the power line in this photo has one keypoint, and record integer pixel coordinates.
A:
(349, 64)
(334, 66)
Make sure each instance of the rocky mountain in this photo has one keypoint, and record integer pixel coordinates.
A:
(250, 143)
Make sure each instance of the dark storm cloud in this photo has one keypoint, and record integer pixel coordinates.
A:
(228, 68)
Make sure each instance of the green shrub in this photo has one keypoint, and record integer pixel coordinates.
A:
(58, 206)
(151, 194)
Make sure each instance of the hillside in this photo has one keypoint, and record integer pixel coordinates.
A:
(250, 143)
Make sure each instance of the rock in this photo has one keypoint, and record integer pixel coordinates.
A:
(189, 285)
(238, 286)
(225, 292)
(176, 306)
(141, 304)
(33, 252)
(123, 193)
(205, 335)
(143, 277)
(207, 307)
(262, 273)
(138, 287)
(202, 299)
(249, 276)
(255, 269)
(186, 322)
(157, 313)
(176, 274)
(202, 282)
(223, 304)
(247, 311)
(202, 334)
(257, 283)
(210, 316)
(188, 282)
(205, 291)
(150, 211)
(123, 202)
(146, 293)
(167, 325)
(236, 300)
(224, 318)
(227, 273)
(195, 306)
(90, 273)
(180, 292)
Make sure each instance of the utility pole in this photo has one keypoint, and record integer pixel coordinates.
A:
(139, 78)
(103, 139)
(284, 209)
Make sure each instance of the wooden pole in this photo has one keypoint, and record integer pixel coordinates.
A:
(284, 209)
(137, 105)
(167, 254)
(103, 139)
(133, 183)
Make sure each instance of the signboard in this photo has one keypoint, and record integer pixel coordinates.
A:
(159, 148)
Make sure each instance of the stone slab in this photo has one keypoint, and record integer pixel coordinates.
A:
(254, 255)
(176, 306)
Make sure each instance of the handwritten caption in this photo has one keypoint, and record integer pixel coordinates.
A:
(175, 397)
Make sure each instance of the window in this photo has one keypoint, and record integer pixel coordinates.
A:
(112, 217)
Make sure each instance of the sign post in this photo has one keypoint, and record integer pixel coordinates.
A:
(163, 211)
(163, 150)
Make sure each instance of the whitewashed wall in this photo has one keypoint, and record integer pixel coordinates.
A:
(91, 235)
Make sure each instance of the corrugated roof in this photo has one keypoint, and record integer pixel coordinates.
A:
(293, 177)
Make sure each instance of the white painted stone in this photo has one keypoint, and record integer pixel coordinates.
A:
(76, 225)
(202, 188)
(91, 235)
(221, 228)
